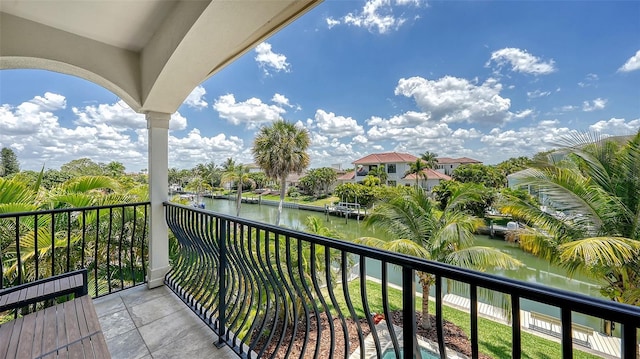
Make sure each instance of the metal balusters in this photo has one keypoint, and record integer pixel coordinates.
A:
(51, 242)
(516, 350)
(385, 306)
(439, 321)
(473, 302)
(268, 275)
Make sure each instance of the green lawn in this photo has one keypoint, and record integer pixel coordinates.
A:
(301, 200)
(495, 338)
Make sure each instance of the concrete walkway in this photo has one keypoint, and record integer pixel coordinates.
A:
(142, 323)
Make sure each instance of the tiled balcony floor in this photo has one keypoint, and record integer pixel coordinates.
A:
(143, 323)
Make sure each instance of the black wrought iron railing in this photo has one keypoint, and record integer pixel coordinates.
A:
(278, 293)
(109, 241)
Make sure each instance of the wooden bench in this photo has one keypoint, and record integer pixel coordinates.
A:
(69, 329)
(545, 324)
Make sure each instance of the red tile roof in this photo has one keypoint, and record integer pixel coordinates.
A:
(461, 160)
(431, 174)
(389, 157)
(347, 176)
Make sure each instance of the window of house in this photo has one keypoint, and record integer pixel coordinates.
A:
(391, 168)
(392, 183)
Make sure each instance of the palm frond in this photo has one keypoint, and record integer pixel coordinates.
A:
(88, 183)
(482, 258)
(600, 251)
(13, 191)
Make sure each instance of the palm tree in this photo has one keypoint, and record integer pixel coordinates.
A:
(596, 184)
(430, 159)
(417, 168)
(238, 174)
(420, 230)
(228, 164)
(281, 149)
(380, 173)
(38, 241)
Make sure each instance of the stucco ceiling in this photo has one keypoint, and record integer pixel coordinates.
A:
(151, 53)
(127, 24)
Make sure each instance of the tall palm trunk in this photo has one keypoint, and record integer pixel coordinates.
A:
(283, 191)
(239, 199)
(426, 280)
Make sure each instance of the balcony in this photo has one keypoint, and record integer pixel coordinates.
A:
(143, 323)
(239, 288)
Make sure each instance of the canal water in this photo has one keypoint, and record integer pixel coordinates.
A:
(536, 270)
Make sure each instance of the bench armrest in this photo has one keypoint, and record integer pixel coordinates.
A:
(44, 289)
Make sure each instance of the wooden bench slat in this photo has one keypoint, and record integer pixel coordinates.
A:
(32, 292)
(25, 347)
(13, 297)
(100, 349)
(5, 337)
(49, 288)
(93, 324)
(15, 338)
(50, 326)
(62, 327)
(23, 294)
(39, 334)
(75, 351)
(77, 281)
(82, 321)
(64, 284)
(56, 286)
(71, 322)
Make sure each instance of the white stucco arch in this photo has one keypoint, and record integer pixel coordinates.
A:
(151, 54)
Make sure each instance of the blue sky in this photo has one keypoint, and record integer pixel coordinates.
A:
(486, 80)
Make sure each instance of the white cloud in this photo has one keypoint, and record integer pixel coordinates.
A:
(466, 133)
(524, 141)
(331, 22)
(360, 139)
(269, 60)
(34, 129)
(407, 119)
(325, 151)
(337, 126)
(597, 104)
(196, 98)
(522, 114)
(632, 64)
(195, 148)
(521, 61)
(121, 117)
(251, 112)
(377, 16)
(451, 99)
(616, 126)
(50, 102)
(538, 94)
(281, 100)
(27, 117)
(568, 108)
(589, 80)
(101, 132)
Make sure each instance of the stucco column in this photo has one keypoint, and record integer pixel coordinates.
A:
(158, 127)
